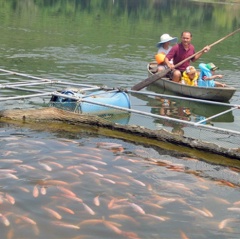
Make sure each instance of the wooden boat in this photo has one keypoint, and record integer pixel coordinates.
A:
(221, 94)
(96, 102)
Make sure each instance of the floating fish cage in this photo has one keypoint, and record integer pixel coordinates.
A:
(19, 90)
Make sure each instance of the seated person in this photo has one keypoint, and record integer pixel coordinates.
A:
(207, 76)
(190, 76)
(164, 46)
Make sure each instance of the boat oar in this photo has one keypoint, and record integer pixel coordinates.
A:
(161, 74)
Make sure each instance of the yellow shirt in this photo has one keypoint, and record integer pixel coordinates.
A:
(186, 80)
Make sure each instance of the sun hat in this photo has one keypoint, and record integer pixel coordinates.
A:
(191, 70)
(211, 67)
(166, 38)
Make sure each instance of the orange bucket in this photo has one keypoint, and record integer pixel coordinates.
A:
(160, 58)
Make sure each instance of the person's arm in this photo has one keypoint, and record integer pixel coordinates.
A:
(204, 50)
(168, 63)
(212, 77)
(169, 57)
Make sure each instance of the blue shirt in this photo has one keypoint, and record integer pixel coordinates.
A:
(205, 72)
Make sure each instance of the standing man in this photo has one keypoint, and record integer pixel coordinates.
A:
(181, 51)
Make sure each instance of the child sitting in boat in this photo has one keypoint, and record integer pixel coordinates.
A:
(190, 76)
(207, 76)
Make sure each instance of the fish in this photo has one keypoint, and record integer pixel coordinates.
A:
(26, 190)
(90, 155)
(52, 182)
(107, 145)
(10, 234)
(96, 201)
(111, 203)
(90, 222)
(79, 171)
(52, 212)
(4, 220)
(14, 161)
(112, 227)
(224, 222)
(43, 190)
(10, 175)
(96, 174)
(66, 225)
(137, 181)
(89, 166)
(75, 198)
(88, 209)
(45, 166)
(130, 235)
(35, 191)
(10, 198)
(65, 209)
(123, 217)
(201, 212)
(137, 208)
(27, 219)
(108, 180)
(236, 203)
(235, 209)
(208, 212)
(166, 200)
(124, 169)
(157, 217)
(56, 164)
(183, 235)
(2, 170)
(227, 183)
(25, 166)
(155, 205)
(66, 191)
(97, 161)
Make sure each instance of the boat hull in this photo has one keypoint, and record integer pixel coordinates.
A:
(221, 94)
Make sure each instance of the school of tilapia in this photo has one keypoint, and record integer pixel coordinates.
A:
(101, 188)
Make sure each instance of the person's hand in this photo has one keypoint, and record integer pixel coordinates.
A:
(171, 66)
(206, 49)
(219, 76)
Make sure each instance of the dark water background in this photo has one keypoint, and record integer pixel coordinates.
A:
(143, 192)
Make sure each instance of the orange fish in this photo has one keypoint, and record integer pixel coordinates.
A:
(43, 191)
(183, 235)
(65, 209)
(10, 198)
(35, 191)
(124, 169)
(112, 227)
(5, 221)
(45, 166)
(53, 213)
(62, 224)
(88, 209)
(137, 208)
(224, 222)
(66, 191)
(28, 220)
(96, 201)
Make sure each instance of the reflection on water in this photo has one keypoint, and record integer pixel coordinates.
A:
(189, 110)
(104, 188)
